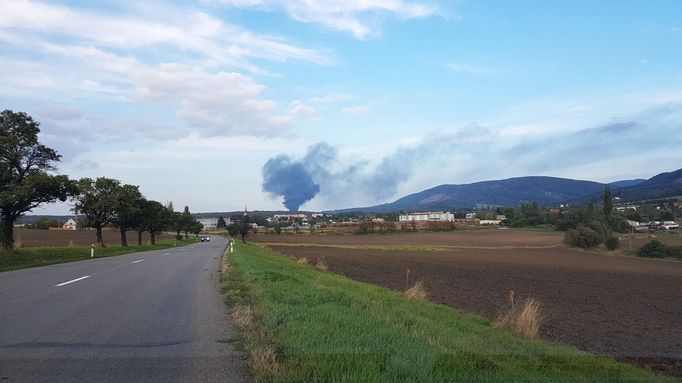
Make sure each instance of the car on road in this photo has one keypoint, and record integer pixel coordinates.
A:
(205, 238)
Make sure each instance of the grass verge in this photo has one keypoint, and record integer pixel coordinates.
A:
(302, 325)
(41, 256)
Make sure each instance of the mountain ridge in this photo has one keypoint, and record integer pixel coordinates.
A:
(545, 190)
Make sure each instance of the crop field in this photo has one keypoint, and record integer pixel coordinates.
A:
(606, 304)
(39, 238)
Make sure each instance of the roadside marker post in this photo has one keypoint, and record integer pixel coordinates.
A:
(92, 250)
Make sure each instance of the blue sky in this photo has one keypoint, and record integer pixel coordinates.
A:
(189, 99)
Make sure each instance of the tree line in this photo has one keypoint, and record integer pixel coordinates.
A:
(26, 182)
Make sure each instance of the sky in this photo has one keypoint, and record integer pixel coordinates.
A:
(360, 101)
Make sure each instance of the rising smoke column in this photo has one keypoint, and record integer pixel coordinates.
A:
(290, 179)
(322, 170)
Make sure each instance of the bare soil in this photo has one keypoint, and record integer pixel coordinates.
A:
(625, 307)
(31, 238)
(464, 238)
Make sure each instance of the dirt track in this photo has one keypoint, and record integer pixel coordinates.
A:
(624, 307)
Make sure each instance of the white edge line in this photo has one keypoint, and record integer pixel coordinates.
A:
(139, 260)
(72, 281)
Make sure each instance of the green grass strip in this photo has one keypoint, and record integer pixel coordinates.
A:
(41, 256)
(323, 327)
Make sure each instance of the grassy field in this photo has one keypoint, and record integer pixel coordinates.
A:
(40, 256)
(299, 324)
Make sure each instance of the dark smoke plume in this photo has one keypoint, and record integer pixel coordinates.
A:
(321, 170)
(288, 178)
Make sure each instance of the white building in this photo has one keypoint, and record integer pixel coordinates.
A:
(427, 216)
(209, 223)
(69, 225)
(489, 222)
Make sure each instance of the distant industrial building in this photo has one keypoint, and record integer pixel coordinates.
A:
(290, 216)
(489, 222)
(427, 216)
(209, 223)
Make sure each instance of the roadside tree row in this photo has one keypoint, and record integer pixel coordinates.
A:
(26, 182)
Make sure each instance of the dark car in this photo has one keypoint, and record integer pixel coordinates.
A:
(205, 238)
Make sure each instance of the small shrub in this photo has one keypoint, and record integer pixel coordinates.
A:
(264, 363)
(178, 237)
(418, 291)
(278, 230)
(243, 316)
(321, 265)
(302, 261)
(612, 243)
(583, 237)
(656, 249)
(523, 319)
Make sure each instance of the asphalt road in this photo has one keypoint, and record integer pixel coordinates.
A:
(155, 316)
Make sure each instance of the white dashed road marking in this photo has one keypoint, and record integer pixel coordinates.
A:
(139, 260)
(72, 281)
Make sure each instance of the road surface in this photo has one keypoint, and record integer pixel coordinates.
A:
(155, 316)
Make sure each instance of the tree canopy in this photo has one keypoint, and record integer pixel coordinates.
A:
(97, 201)
(24, 179)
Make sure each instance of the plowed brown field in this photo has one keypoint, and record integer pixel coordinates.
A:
(612, 305)
(30, 238)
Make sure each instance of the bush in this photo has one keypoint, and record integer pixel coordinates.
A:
(656, 249)
(612, 243)
(583, 237)
(278, 229)
(178, 237)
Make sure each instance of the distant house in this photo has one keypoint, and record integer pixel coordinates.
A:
(290, 216)
(489, 222)
(500, 217)
(470, 215)
(209, 223)
(69, 225)
(427, 216)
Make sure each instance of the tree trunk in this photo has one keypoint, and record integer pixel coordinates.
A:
(100, 241)
(124, 240)
(7, 233)
(186, 236)
(152, 236)
(139, 238)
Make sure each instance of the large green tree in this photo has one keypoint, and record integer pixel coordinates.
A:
(97, 201)
(221, 223)
(153, 218)
(128, 207)
(186, 222)
(24, 179)
(608, 203)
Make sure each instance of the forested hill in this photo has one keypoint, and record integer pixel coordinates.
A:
(546, 191)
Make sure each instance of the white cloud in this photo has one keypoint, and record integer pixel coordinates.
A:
(214, 104)
(331, 98)
(299, 109)
(355, 110)
(191, 30)
(469, 69)
(356, 17)
(84, 54)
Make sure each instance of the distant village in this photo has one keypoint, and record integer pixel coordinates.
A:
(635, 215)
